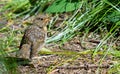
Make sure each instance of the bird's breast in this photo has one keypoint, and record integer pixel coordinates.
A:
(34, 33)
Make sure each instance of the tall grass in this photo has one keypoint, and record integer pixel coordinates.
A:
(8, 45)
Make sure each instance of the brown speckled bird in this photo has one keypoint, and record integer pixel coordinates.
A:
(33, 39)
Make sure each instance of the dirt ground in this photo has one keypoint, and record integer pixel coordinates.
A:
(68, 64)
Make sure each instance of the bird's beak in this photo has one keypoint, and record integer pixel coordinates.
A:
(46, 20)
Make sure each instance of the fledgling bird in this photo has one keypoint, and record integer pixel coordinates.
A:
(34, 38)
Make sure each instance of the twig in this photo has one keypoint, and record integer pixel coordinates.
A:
(94, 41)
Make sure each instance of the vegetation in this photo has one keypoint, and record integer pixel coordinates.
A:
(101, 17)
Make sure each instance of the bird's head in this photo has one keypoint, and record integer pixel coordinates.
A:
(41, 20)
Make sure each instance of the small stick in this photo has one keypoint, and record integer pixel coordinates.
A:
(94, 41)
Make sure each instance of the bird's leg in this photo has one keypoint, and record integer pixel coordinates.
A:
(34, 52)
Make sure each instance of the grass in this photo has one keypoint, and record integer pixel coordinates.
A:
(95, 16)
(8, 44)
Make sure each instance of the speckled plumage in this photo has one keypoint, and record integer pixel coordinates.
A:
(33, 40)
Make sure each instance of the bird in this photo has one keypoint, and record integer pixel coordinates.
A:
(34, 38)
